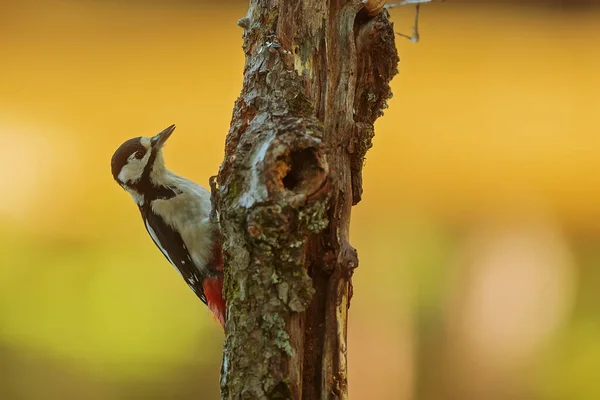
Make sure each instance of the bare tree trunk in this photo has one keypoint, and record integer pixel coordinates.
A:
(315, 79)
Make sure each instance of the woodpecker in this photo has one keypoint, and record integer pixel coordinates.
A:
(176, 215)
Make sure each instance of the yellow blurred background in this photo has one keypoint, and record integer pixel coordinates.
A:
(478, 233)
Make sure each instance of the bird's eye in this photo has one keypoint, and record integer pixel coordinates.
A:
(139, 155)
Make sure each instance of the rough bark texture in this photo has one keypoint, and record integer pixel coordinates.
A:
(315, 79)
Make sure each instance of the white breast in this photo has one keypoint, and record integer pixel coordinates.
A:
(188, 213)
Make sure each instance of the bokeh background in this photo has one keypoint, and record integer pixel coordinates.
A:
(478, 234)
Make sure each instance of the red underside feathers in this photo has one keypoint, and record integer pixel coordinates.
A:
(213, 290)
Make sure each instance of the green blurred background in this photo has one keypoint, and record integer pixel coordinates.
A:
(478, 234)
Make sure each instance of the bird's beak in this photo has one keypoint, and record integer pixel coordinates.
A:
(159, 140)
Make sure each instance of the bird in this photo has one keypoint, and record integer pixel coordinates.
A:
(176, 214)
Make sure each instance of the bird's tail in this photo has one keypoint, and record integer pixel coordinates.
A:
(213, 290)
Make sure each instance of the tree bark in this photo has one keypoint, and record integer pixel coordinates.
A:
(316, 78)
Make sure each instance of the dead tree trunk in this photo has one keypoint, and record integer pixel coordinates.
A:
(315, 79)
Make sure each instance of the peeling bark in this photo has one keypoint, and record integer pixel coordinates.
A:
(316, 78)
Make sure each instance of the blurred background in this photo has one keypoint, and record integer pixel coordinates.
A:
(478, 233)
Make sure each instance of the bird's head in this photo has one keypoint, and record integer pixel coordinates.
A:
(138, 162)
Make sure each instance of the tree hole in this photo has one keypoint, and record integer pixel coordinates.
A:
(304, 168)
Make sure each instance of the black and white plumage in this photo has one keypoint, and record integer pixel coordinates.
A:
(176, 215)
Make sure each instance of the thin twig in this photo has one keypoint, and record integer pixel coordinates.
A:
(415, 35)
(406, 3)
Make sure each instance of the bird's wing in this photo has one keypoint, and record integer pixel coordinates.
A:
(174, 249)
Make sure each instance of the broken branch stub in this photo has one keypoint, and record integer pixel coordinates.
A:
(316, 78)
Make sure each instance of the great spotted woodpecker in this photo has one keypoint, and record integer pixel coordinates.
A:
(176, 215)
